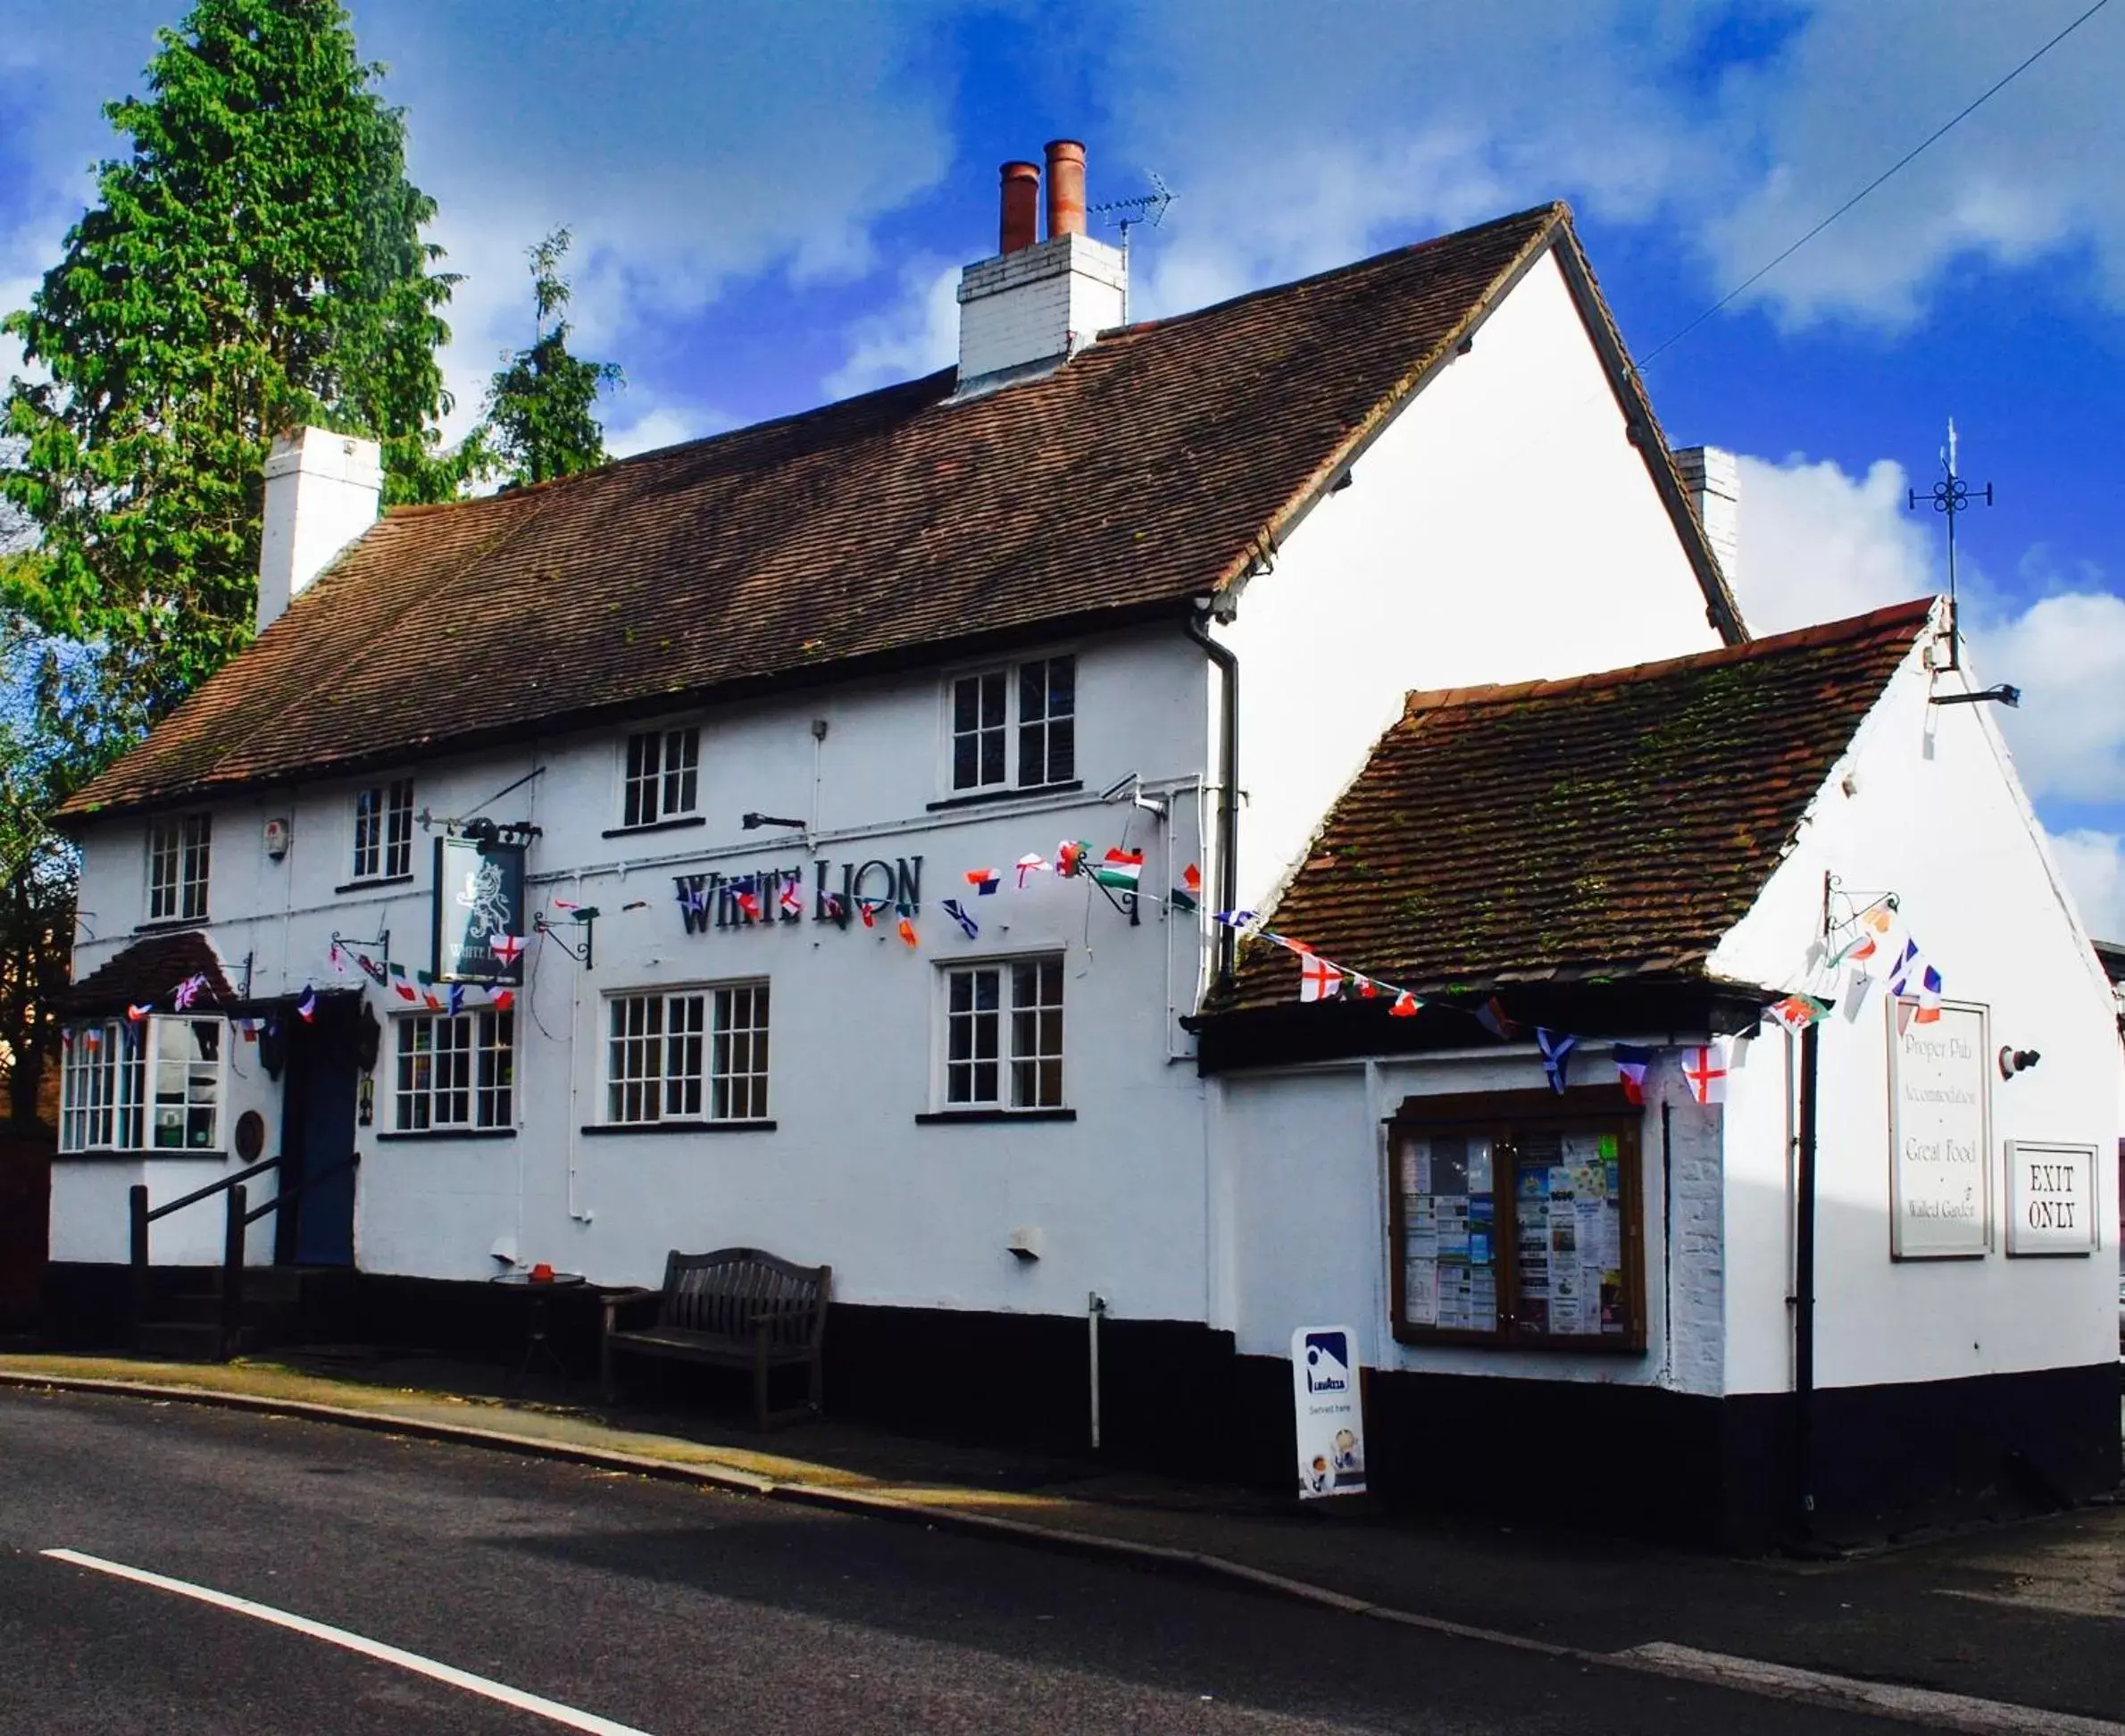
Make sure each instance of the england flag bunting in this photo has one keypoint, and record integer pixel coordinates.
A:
(1705, 1069)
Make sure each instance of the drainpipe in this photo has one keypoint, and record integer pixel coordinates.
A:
(1803, 1290)
(1227, 663)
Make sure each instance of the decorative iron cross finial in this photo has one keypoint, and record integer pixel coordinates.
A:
(1951, 496)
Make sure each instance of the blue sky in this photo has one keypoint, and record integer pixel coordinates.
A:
(771, 203)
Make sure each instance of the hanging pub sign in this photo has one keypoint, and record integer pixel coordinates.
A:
(1940, 1107)
(479, 910)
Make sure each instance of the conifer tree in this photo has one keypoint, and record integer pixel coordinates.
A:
(254, 261)
(541, 406)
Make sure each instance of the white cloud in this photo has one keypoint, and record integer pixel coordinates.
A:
(666, 424)
(1817, 543)
(916, 334)
(2092, 863)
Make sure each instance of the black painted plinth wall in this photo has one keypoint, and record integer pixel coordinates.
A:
(1700, 1471)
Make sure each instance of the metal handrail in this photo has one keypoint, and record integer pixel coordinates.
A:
(353, 1161)
(210, 1190)
(240, 1216)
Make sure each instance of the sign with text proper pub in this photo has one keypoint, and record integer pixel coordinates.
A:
(1940, 1134)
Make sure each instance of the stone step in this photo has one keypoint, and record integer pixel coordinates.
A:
(182, 1341)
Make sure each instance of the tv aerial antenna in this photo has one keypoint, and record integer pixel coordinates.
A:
(1125, 214)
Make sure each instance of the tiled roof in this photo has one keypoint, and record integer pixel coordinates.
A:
(147, 972)
(1607, 826)
(1150, 469)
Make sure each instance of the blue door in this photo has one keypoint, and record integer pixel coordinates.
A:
(318, 1133)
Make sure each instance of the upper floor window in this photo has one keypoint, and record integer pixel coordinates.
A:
(156, 1084)
(455, 1071)
(662, 777)
(1004, 1035)
(384, 830)
(178, 849)
(698, 1054)
(1015, 726)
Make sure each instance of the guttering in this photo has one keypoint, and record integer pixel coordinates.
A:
(1227, 663)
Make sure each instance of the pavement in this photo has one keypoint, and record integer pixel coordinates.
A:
(2019, 1627)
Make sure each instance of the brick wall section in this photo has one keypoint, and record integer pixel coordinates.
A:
(1697, 1296)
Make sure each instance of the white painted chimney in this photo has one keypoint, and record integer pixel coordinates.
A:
(1713, 478)
(321, 491)
(1038, 303)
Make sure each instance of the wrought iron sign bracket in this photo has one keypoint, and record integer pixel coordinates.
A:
(584, 919)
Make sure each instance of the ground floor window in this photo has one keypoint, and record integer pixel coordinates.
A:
(1004, 1035)
(687, 1054)
(1515, 1218)
(454, 1071)
(142, 1084)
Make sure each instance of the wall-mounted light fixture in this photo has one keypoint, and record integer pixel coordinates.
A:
(754, 821)
(2014, 1061)
(2006, 696)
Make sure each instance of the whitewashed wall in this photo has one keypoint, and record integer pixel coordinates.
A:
(1502, 529)
(907, 1214)
(1938, 818)
(1303, 1217)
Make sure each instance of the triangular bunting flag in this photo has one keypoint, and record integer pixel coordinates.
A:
(957, 912)
(1631, 1064)
(1556, 1056)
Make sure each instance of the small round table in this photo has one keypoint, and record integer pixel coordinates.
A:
(536, 1343)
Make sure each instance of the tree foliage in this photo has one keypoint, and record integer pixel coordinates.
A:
(253, 262)
(541, 406)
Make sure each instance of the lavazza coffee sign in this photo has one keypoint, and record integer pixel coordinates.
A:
(1940, 1109)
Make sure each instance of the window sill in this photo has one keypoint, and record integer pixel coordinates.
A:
(446, 1133)
(678, 824)
(940, 1117)
(607, 1129)
(1576, 1344)
(130, 1154)
(1014, 793)
(173, 924)
(373, 884)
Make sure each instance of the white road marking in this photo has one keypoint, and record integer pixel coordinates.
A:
(1883, 1700)
(355, 1642)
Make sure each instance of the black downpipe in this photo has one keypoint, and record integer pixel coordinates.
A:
(1227, 663)
(1804, 1292)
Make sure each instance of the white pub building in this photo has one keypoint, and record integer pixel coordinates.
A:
(809, 837)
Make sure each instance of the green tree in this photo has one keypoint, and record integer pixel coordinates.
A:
(540, 413)
(253, 262)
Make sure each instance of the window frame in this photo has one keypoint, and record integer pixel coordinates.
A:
(489, 1083)
(187, 889)
(630, 780)
(1013, 730)
(1007, 1014)
(391, 850)
(711, 1040)
(131, 1056)
(1500, 1117)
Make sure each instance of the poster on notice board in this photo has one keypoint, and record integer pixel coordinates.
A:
(1331, 1423)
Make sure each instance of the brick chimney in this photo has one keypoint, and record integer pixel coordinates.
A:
(322, 492)
(1038, 303)
(1713, 478)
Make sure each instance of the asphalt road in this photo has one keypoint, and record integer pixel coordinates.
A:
(663, 1608)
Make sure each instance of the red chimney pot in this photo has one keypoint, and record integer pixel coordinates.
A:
(1020, 226)
(1065, 188)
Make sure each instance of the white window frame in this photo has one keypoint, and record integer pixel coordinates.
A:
(650, 795)
(118, 1091)
(468, 1084)
(1026, 1051)
(182, 845)
(692, 1053)
(383, 830)
(1013, 727)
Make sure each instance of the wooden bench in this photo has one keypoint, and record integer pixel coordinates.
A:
(737, 1307)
